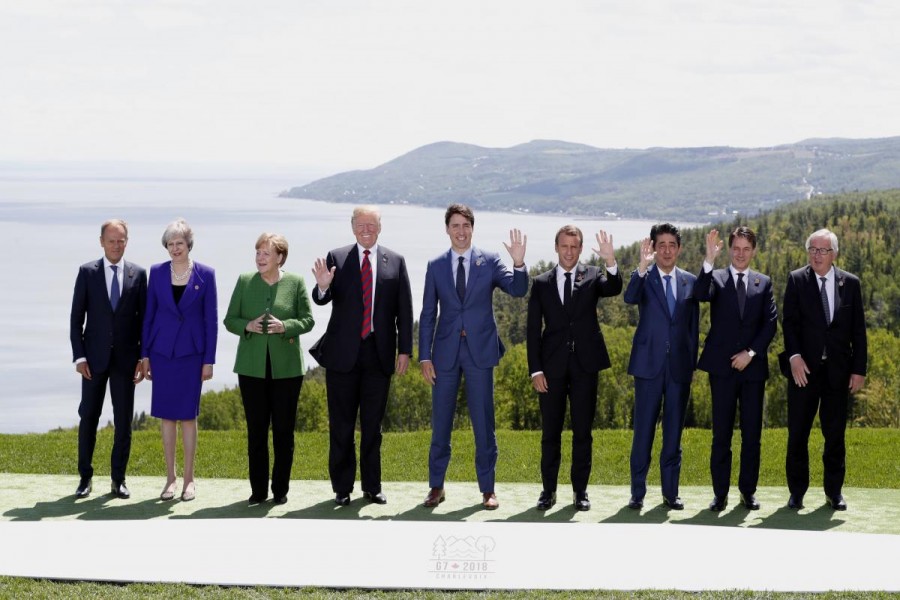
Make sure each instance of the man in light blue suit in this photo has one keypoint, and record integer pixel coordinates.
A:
(458, 336)
(663, 358)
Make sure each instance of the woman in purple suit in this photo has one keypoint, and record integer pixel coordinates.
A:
(179, 341)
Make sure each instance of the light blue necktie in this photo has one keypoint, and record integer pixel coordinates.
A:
(670, 295)
(114, 292)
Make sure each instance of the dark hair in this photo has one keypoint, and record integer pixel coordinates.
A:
(569, 230)
(661, 228)
(743, 232)
(459, 209)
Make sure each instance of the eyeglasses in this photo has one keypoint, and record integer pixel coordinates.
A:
(819, 251)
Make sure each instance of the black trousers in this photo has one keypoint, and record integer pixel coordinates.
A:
(269, 401)
(827, 392)
(363, 391)
(580, 387)
(93, 391)
(728, 393)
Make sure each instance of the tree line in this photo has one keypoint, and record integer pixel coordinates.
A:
(866, 223)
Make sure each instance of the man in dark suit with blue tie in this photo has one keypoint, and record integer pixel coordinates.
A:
(463, 340)
(111, 294)
(663, 358)
(369, 337)
(566, 353)
(743, 320)
(825, 360)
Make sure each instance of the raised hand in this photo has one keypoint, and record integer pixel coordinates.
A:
(647, 254)
(516, 247)
(605, 248)
(324, 276)
(713, 246)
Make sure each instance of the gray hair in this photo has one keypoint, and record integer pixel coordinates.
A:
(368, 209)
(113, 222)
(178, 228)
(823, 233)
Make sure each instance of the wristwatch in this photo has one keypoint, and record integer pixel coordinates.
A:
(751, 352)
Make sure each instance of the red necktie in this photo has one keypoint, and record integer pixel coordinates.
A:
(366, 274)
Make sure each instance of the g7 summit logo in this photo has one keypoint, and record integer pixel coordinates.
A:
(462, 558)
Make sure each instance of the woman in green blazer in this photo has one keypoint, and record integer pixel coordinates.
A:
(269, 309)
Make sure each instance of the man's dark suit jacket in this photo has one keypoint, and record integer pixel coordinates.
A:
(551, 326)
(660, 337)
(729, 332)
(106, 329)
(805, 329)
(391, 311)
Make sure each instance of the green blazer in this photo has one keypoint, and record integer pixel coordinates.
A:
(289, 302)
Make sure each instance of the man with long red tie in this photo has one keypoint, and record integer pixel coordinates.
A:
(369, 337)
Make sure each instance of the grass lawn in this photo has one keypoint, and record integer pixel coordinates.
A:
(871, 456)
(871, 463)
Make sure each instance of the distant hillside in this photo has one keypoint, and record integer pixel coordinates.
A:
(688, 184)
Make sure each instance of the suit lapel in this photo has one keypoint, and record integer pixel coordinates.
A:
(100, 282)
(838, 291)
(476, 271)
(657, 288)
(191, 290)
(577, 283)
(380, 274)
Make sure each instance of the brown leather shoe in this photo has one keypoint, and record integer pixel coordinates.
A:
(434, 497)
(489, 501)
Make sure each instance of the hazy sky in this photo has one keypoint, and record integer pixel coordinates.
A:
(351, 83)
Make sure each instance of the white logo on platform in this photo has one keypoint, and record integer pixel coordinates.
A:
(462, 558)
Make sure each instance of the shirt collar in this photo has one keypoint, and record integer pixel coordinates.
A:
(107, 264)
(373, 251)
(734, 272)
(466, 255)
(562, 272)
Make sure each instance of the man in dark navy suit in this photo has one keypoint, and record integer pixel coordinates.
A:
(111, 294)
(566, 353)
(663, 358)
(369, 337)
(743, 320)
(825, 354)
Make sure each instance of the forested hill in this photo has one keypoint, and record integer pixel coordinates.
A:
(684, 184)
(867, 225)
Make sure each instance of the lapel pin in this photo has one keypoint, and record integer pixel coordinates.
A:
(196, 287)
(756, 281)
(478, 262)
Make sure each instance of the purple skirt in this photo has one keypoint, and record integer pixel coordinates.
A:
(177, 384)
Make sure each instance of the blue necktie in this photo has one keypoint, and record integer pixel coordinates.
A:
(670, 295)
(114, 292)
(461, 279)
(825, 305)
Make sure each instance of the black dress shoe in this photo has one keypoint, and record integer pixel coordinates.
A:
(581, 501)
(836, 502)
(795, 502)
(342, 499)
(750, 502)
(635, 504)
(546, 500)
(255, 500)
(119, 490)
(718, 503)
(378, 498)
(435, 496)
(280, 499)
(84, 488)
(673, 503)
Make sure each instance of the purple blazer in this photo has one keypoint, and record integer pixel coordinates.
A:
(189, 327)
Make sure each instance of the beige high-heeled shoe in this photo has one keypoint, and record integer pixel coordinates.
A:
(189, 492)
(168, 492)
